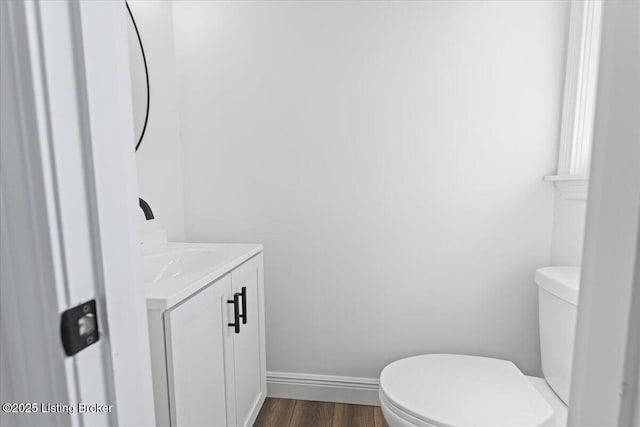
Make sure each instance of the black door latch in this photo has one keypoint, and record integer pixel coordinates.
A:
(79, 327)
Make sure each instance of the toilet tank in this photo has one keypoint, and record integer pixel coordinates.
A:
(557, 305)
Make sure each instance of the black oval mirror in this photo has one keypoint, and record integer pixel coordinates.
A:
(139, 74)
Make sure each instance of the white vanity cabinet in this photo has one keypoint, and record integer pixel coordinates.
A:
(208, 352)
(198, 348)
(248, 345)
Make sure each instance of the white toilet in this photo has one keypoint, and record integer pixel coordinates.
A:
(451, 390)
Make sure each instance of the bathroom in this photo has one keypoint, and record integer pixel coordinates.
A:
(394, 174)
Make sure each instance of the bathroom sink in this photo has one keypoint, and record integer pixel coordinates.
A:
(175, 262)
(174, 271)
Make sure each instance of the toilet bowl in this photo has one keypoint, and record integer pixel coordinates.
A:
(453, 390)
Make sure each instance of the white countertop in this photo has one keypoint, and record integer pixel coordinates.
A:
(164, 294)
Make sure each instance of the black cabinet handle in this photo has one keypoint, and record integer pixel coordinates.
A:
(243, 294)
(236, 313)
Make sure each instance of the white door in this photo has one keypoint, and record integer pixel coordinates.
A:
(200, 358)
(68, 217)
(247, 344)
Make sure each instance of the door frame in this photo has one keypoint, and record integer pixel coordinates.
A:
(69, 211)
(605, 380)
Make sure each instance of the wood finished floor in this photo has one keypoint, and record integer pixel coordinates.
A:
(304, 413)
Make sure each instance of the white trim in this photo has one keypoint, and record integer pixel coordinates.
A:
(571, 187)
(31, 279)
(48, 92)
(112, 185)
(630, 403)
(68, 215)
(601, 389)
(580, 87)
(323, 388)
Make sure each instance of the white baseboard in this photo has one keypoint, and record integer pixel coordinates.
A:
(323, 388)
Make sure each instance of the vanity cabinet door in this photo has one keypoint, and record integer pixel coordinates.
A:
(249, 351)
(199, 351)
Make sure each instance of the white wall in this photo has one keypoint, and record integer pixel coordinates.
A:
(389, 156)
(568, 231)
(159, 157)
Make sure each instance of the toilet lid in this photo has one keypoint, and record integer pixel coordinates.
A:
(455, 390)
